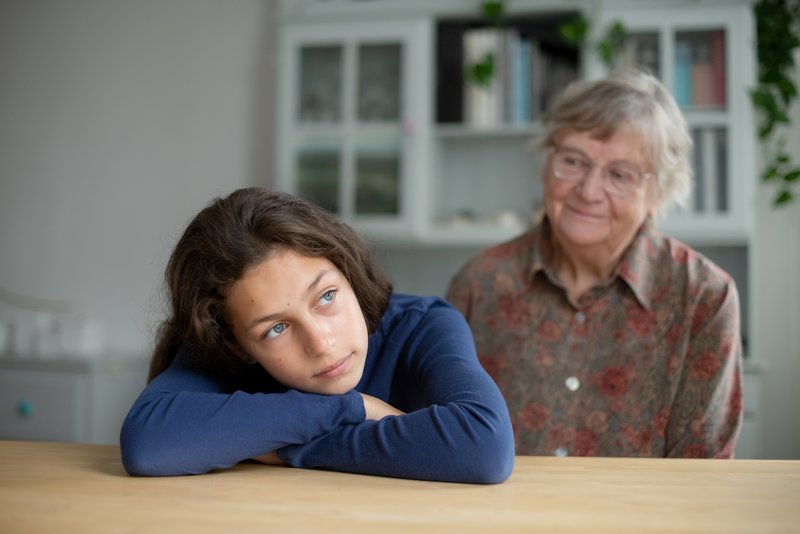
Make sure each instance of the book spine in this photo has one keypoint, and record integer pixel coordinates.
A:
(718, 78)
(682, 78)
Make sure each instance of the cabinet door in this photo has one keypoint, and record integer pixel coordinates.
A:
(705, 57)
(352, 120)
(41, 405)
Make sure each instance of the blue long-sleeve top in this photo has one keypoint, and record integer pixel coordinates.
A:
(421, 360)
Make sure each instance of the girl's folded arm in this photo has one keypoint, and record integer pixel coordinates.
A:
(185, 423)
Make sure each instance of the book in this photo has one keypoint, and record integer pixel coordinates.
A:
(682, 77)
(702, 91)
(521, 82)
(718, 78)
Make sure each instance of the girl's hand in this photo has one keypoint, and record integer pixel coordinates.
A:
(270, 458)
(377, 409)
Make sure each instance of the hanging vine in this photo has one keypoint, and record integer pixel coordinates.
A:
(778, 35)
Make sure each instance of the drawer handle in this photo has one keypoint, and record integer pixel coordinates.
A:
(25, 409)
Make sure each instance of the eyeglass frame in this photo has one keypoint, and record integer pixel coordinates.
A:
(589, 165)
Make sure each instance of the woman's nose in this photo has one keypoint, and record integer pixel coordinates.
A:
(592, 186)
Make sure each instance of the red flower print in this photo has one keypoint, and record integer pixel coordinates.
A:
(705, 367)
(534, 416)
(558, 436)
(597, 421)
(493, 366)
(640, 439)
(674, 334)
(639, 321)
(612, 381)
(660, 423)
(586, 443)
(514, 311)
(680, 255)
(695, 451)
(701, 314)
(548, 331)
(544, 358)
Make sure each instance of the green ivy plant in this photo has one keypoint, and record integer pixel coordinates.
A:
(777, 36)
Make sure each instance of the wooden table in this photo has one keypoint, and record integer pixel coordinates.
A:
(65, 488)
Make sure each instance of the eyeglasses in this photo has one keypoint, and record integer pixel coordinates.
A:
(618, 179)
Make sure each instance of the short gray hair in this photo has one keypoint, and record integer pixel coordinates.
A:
(629, 100)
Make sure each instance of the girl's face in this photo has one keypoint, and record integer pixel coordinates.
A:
(298, 317)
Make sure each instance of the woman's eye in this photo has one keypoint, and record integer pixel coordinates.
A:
(623, 176)
(276, 330)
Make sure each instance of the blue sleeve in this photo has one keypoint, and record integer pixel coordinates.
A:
(186, 423)
(463, 435)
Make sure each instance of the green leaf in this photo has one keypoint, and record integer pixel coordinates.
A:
(575, 30)
(481, 73)
(792, 176)
(493, 12)
(770, 174)
(606, 50)
(783, 197)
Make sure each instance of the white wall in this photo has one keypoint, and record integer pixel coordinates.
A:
(118, 121)
(777, 317)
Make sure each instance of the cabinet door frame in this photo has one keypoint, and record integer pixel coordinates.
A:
(412, 129)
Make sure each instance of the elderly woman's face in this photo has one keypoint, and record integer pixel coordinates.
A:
(603, 209)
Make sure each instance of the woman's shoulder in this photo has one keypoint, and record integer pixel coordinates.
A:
(686, 262)
(511, 255)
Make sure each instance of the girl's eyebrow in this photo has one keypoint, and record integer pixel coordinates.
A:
(310, 289)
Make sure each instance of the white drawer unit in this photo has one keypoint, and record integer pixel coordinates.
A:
(69, 398)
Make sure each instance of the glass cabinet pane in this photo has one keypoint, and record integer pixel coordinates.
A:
(699, 72)
(642, 51)
(320, 99)
(318, 174)
(379, 82)
(378, 171)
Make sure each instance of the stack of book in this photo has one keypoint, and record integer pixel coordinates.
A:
(525, 78)
(699, 75)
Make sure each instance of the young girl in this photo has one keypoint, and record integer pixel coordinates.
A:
(285, 344)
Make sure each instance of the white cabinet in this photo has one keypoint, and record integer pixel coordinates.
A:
(354, 120)
(68, 398)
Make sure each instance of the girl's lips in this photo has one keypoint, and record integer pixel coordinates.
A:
(336, 369)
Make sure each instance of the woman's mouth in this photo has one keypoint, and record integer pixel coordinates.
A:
(338, 367)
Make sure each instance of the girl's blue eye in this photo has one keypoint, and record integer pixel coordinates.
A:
(276, 330)
(329, 295)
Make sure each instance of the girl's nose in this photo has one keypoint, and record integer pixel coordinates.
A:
(319, 339)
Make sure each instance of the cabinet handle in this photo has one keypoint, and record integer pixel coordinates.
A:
(25, 409)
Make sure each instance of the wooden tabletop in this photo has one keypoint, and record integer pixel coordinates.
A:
(66, 488)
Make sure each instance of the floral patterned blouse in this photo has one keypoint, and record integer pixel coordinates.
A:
(649, 362)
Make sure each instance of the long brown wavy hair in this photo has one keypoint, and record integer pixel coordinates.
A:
(237, 232)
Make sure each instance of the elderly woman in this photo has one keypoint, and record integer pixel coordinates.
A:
(606, 337)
